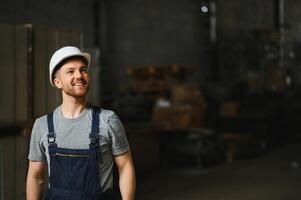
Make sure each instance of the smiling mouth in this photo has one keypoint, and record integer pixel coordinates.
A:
(79, 84)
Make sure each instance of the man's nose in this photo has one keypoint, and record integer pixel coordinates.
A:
(78, 74)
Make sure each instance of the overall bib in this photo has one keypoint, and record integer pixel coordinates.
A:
(74, 173)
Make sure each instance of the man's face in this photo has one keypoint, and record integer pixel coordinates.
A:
(72, 78)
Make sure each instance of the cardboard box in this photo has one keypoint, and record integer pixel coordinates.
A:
(230, 108)
(186, 93)
(186, 116)
(161, 114)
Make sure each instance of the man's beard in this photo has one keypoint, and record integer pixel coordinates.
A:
(71, 92)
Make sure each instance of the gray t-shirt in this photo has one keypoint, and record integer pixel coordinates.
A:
(74, 134)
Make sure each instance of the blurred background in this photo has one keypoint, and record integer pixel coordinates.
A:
(209, 91)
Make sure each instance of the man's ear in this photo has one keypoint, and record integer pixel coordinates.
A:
(57, 83)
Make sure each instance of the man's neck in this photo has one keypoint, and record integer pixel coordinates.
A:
(73, 107)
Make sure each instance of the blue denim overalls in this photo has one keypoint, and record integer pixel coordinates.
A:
(74, 172)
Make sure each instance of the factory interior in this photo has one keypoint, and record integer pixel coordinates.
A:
(208, 91)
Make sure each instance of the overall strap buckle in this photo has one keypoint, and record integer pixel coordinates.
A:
(51, 138)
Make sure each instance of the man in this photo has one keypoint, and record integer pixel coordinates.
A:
(80, 142)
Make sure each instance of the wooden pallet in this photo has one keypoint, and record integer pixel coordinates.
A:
(159, 70)
(157, 78)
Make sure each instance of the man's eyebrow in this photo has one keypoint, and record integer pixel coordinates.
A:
(70, 68)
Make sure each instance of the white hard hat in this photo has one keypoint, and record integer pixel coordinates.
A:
(62, 54)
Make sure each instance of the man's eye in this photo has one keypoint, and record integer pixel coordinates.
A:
(69, 72)
(84, 69)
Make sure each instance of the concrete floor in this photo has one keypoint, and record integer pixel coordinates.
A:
(274, 175)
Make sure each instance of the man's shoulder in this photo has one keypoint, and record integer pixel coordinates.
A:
(42, 120)
(106, 114)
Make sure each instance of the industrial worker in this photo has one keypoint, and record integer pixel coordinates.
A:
(78, 142)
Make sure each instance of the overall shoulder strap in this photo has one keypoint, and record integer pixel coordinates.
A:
(50, 122)
(95, 125)
(51, 133)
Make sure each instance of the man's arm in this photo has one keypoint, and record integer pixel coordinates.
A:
(127, 182)
(34, 182)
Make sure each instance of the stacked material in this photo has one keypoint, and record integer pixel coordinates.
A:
(186, 108)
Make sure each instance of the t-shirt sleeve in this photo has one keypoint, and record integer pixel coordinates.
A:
(36, 150)
(117, 134)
